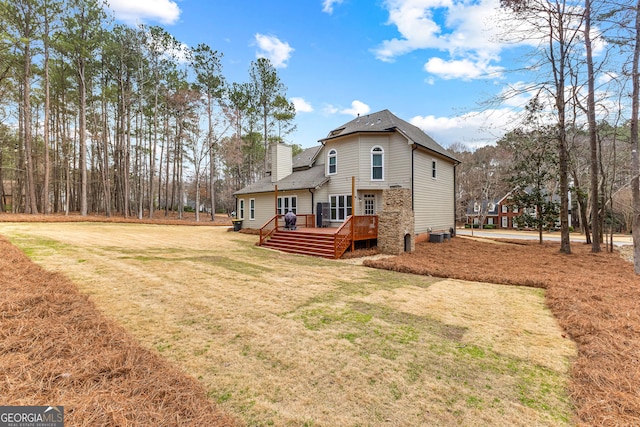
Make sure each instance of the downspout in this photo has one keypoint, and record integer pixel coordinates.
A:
(455, 186)
(312, 204)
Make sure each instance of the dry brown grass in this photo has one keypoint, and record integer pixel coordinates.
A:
(595, 297)
(56, 348)
(279, 339)
(188, 218)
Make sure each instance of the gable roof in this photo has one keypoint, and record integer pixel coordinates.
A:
(489, 207)
(312, 177)
(307, 158)
(385, 121)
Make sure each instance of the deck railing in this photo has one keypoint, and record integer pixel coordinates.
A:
(365, 227)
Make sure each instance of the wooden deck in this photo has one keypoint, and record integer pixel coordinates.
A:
(326, 242)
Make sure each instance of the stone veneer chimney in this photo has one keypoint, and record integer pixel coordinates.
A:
(281, 161)
(396, 223)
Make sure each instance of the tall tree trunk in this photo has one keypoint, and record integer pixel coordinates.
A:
(593, 141)
(212, 162)
(82, 136)
(635, 163)
(32, 203)
(563, 156)
(46, 205)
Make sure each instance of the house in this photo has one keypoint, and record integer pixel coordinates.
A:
(495, 213)
(354, 171)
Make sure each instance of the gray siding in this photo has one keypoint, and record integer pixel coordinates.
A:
(433, 198)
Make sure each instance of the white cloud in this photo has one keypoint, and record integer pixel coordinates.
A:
(475, 129)
(272, 48)
(301, 105)
(139, 11)
(464, 69)
(357, 108)
(329, 109)
(327, 5)
(466, 30)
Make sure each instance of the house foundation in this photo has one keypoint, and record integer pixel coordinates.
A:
(396, 224)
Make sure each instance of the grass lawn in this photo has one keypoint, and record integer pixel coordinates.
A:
(280, 339)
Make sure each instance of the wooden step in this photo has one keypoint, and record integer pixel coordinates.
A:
(320, 245)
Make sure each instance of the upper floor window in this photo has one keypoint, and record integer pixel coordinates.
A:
(377, 164)
(505, 209)
(332, 162)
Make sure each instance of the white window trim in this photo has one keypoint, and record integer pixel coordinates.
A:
(378, 151)
(252, 209)
(281, 205)
(346, 207)
(241, 209)
(333, 154)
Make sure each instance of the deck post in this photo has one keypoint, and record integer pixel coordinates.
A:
(275, 204)
(353, 212)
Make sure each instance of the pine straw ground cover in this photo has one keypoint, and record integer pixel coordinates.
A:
(56, 347)
(595, 297)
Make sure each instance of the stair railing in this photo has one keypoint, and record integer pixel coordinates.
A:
(268, 229)
(343, 237)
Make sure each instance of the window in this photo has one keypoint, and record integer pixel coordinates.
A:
(505, 222)
(241, 209)
(505, 208)
(332, 162)
(490, 220)
(492, 207)
(287, 203)
(476, 207)
(340, 207)
(252, 209)
(369, 204)
(434, 169)
(377, 164)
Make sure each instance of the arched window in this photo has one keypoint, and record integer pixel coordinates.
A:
(332, 162)
(377, 164)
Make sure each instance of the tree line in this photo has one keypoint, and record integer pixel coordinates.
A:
(577, 139)
(96, 117)
(121, 120)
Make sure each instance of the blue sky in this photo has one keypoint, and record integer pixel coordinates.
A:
(430, 62)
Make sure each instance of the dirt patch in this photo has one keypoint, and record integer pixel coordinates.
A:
(56, 348)
(595, 297)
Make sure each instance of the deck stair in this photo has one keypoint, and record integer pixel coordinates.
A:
(304, 243)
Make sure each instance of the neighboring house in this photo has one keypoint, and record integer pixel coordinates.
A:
(499, 213)
(363, 157)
